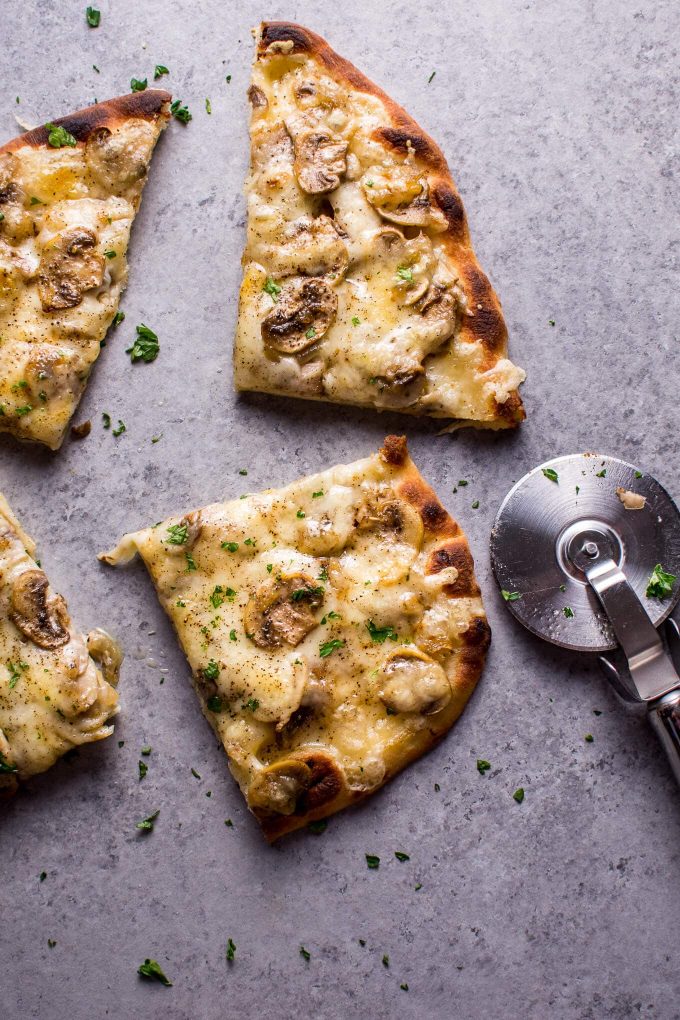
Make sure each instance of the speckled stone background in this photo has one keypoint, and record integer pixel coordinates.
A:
(559, 121)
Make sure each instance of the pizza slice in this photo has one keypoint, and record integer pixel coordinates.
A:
(360, 285)
(334, 629)
(57, 687)
(69, 192)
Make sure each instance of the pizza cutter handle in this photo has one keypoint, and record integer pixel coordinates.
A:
(664, 715)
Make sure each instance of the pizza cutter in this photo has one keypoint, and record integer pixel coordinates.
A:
(574, 564)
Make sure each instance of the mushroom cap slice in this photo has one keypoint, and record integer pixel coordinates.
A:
(402, 197)
(282, 611)
(39, 615)
(277, 788)
(69, 267)
(395, 516)
(118, 159)
(304, 312)
(320, 159)
(107, 653)
(413, 682)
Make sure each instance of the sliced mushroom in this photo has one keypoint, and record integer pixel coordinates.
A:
(282, 611)
(118, 159)
(50, 372)
(69, 267)
(413, 682)
(303, 313)
(402, 385)
(401, 196)
(277, 788)
(320, 157)
(17, 222)
(107, 653)
(394, 517)
(257, 98)
(39, 614)
(309, 246)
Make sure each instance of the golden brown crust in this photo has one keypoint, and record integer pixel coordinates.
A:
(484, 322)
(148, 105)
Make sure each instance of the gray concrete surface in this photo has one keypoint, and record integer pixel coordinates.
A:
(559, 122)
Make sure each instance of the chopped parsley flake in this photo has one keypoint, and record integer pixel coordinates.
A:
(326, 648)
(143, 769)
(215, 703)
(372, 862)
(589, 738)
(551, 322)
(177, 534)
(58, 136)
(311, 333)
(601, 474)
(271, 288)
(385, 960)
(208, 106)
(483, 766)
(195, 774)
(138, 84)
(229, 546)
(15, 671)
(146, 345)
(518, 795)
(401, 856)
(252, 704)
(43, 876)
(316, 495)
(146, 751)
(147, 824)
(660, 584)
(568, 612)
(228, 822)
(110, 254)
(551, 474)
(232, 635)
(51, 943)
(305, 953)
(301, 594)
(638, 474)
(106, 420)
(191, 562)
(93, 17)
(26, 409)
(231, 949)
(429, 80)
(179, 112)
(404, 986)
(510, 596)
(159, 70)
(475, 505)
(405, 273)
(152, 970)
(356, 321)
(120, 428)
(118, 318)
(211, 671)
(381, 634)
(300, 514)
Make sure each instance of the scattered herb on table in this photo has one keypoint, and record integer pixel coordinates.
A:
(145, 347)
(551, 474)
(660, 584)
(372, 862)
(151, 969)
(518, 795)
(483, 765)
(147, 824)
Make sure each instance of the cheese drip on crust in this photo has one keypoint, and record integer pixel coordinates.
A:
(334, 629)
(360, 284)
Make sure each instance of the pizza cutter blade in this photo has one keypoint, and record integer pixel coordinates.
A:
(574, 565)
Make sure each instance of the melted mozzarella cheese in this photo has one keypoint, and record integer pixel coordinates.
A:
(380, 349)
(374, 596)
(51, 699)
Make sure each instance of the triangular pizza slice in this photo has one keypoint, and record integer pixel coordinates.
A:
(69, 192)
(334, 629)
(57, 687)
(360, 284)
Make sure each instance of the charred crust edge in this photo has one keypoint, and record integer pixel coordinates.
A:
(394, 450)
(283, 31)
(147, 105)
(456, 553)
